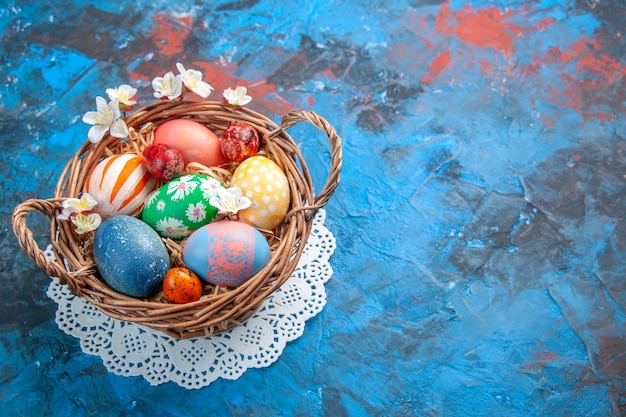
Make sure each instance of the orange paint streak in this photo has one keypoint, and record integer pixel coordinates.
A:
(604, 67)
(542, 359)
(170, 32)
(328, 73)
(544, 23)
(587, 83)
(221, 78)
(486, 67)
(548, 122)
(140, 78)
(484, 28)
(436, 66)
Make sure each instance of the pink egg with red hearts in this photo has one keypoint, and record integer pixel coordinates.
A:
(195, 141)
(239, 141)
(163, 161)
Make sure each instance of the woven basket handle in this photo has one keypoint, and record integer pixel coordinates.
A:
(25, 236)
(334, 140)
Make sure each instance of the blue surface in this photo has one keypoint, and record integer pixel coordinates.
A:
(480, 220)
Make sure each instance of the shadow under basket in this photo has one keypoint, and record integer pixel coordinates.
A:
(219, 308)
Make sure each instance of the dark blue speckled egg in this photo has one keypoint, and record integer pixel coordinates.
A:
(130, 256)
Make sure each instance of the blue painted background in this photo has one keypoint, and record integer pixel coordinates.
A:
(480, 219)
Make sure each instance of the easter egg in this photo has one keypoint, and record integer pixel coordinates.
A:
(266, 185)
(181, 205)
(130, 256)
(196, 142)
(226, 252)
(239, 141)
(181, 286)
(120, 184)
(163, 161)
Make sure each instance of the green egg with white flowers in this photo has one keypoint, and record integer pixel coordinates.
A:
(181, 206)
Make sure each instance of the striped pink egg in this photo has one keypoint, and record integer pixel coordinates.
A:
(120, 184)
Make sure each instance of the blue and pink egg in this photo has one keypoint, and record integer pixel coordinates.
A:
(226, 253)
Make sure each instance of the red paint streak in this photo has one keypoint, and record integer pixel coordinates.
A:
(548, 122)
(411, 54)
(542, 359)
(588, 75)
(169, 33)
(436, 66)
(544, 23)
(485, 28)
(220, 77)
(265, 97)
(328, 73)
(602, 66)
(566, 97)
(428, 42)
(486, 67)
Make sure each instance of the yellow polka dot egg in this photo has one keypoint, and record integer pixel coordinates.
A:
(266, 185)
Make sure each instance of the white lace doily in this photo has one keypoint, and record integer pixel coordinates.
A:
(130, 349)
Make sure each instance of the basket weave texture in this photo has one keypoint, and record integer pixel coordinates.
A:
(219, 308)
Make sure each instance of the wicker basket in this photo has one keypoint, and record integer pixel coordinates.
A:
(219, 308)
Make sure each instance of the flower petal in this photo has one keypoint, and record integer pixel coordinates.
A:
(97, 132)
(101, 104)
(114, 108)
(203, 90)
(87, 202)
(169, 86)
(237, 97)
(86, 223)
(123, 94)
(119, 129)
(90, 117)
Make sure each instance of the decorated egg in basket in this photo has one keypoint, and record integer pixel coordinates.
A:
(181, 205)
(120, 184)
(196, 142)
(266, 185)
(226, 253)
(130, 256)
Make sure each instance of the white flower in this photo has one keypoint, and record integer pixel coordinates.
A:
(160, 205)
(86, 222)
(181, 188)
(172, 227)
(76, 205)
(193, 81)
(237, 97)
(196, 212)
(106, 118)
(209, 187)
(123, 94)
(230, 200)
(169, 86)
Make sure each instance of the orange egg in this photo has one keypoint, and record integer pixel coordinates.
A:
(181, 286)
(194, 141)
